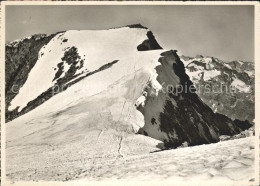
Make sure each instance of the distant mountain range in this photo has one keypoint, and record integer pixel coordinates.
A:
(230, 84)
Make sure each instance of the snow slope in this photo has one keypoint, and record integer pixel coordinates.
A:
(112, 45)
(123, 82)
(223, 162)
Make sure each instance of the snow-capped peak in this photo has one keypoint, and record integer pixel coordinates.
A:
(113, 44)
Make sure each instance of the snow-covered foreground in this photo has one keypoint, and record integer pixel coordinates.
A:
(117, 159)
(224, 161)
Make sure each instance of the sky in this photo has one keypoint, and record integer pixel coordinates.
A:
(225, 32)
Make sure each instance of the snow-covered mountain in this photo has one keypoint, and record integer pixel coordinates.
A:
(77, 65)
(99, 90)
(227, 87)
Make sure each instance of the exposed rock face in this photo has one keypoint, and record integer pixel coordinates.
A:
(21, 57)
(181, 115)
(136, 26)
(227, 87)
(242, 66)
(149, 44)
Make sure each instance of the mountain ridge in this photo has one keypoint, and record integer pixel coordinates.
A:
(69, 59)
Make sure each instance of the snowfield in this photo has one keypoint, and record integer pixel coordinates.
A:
(226, 161)
(240, 85)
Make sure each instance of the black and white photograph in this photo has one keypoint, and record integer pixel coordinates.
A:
(129, 92)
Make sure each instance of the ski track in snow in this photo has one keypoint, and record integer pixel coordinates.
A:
(120, 146)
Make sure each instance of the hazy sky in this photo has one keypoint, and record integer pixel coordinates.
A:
(226, 32)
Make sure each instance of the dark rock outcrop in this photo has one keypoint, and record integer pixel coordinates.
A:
(73, 60)
(149, 44)
(137, 26)
(241, 66)
(243, 124)
(21, 57)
